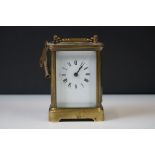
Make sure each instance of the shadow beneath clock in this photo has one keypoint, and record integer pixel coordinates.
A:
(76, 120)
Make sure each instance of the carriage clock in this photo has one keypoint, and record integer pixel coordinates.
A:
(75, 75)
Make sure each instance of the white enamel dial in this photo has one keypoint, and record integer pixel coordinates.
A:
(76, 78)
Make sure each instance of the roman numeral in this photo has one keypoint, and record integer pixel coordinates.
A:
(82, 85)
(75, 86)
(65, 80)
(69, 85)
(82, 63)
(64, 68)
(85, 68)
(75, 62)
(86, 80)
(69, 64)
(87, 73)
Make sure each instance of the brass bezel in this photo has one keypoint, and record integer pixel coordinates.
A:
(75, 44)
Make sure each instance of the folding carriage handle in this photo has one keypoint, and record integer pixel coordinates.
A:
(43, 61)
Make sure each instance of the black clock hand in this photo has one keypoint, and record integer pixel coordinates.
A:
(76, 73)
(80, 68)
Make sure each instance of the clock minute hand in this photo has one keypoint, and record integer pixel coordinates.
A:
(79, 69)
(76, 73)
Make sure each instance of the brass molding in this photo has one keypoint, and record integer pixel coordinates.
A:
(57, 114)
(57, 39)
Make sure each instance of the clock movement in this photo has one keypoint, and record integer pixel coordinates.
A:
(75, 74)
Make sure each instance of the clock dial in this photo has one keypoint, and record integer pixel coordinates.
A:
(76, 78)
(75, 75)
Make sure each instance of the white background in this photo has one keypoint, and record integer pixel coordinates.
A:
(69, 12)
(121, 112)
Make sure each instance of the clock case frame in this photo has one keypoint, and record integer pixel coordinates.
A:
(73, 44)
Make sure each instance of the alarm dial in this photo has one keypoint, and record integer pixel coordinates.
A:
(76, 78)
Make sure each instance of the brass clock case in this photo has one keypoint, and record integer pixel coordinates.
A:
(73, 44)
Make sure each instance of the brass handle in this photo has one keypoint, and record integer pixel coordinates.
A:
(43, 61)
